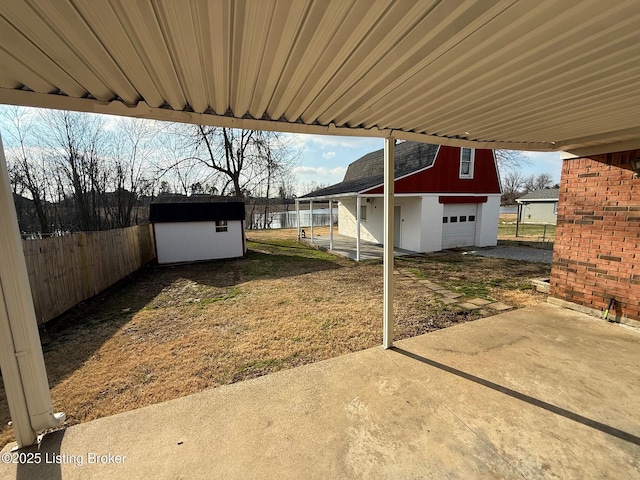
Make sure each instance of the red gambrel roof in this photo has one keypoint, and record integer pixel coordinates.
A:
(419, 168)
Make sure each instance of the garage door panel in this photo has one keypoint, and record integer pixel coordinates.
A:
(459, 225)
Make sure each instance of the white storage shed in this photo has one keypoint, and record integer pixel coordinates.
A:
(200, 227)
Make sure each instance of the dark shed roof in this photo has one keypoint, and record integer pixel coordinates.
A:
(197, 208)
(368, 171)
(549, 194)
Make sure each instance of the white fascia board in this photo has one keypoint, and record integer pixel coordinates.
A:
(581, 152)
(538, 200)
(328, 197)
(56, 101)
(433, 194)
(495, 165)
(463, 194)
(617, 141)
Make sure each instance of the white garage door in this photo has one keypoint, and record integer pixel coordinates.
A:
(459, 225)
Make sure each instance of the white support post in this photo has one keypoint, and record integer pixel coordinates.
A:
(330, 224)
(387, 321)
(298, 217)
(311, 213)
(358, 220)
(21, 357)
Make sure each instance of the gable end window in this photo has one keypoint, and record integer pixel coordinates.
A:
(221, 225)
(467, 157)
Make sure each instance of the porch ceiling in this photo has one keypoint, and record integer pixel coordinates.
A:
(536, 75)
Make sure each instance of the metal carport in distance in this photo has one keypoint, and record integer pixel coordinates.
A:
(530, 75)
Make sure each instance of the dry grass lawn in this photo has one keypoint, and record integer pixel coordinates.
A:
(532, 235)
(171, 331)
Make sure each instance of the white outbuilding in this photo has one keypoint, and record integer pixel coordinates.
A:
(539, 206)
(200, 227)
(444, 197)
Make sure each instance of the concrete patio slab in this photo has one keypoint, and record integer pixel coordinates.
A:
(541, 392)
(346, 247)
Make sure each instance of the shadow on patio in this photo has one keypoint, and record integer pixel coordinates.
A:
(539, 392)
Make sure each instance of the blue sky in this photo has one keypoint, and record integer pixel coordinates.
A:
(324, 159)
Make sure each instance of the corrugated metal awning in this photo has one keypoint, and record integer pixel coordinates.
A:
(530, 74)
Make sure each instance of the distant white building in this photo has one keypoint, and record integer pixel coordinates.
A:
(539, 206)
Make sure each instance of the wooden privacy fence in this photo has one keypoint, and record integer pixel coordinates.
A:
(64, 271)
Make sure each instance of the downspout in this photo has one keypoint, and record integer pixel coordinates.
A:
(311, 213)
(330, 224)
(244, 238)
(21, 357)
(358, 221)
(298, 217)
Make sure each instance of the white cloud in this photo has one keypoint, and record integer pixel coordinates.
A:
(328, 155)
(319, 175)
(320, 171)
(325, 142)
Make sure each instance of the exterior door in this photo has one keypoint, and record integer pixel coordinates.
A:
(459, 225)
(397, 221)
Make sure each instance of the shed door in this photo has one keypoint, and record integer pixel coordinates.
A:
(459, 225)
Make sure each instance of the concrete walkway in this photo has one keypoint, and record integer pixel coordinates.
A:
(486, 307)
(522, 253)
(346, 247)
(535, 393)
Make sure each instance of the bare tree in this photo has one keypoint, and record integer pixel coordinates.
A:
(543, 180)
(178, 169)
(76, 144)
(227, 152)
(309, 187)
(29, 168)
(510, 160)
(274, 162)
(287, 188)
(80, 171)
(529, 183)
(132, 143)
(537, 182)
(239, 162)
(512, 183)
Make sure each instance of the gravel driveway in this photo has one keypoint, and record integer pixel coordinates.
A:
(528, 254)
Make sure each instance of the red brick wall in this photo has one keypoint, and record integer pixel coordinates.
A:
(597, 248)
